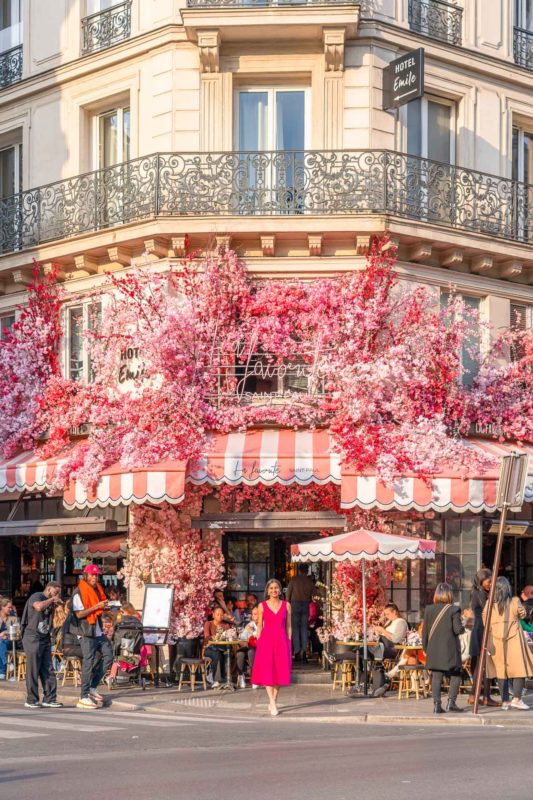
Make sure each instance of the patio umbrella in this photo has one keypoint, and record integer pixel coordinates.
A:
(107, 547)
(363, 545)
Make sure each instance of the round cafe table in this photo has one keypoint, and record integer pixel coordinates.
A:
(228, 645)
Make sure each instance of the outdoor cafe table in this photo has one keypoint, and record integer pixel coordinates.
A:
(228, 645)
(410, 648)
(357, 644)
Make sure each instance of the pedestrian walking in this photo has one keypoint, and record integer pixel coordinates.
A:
(478, 597)
(508, 656)
(441, 642)
(272, 663)
(35, 627)
(299, 594)
(88, 603)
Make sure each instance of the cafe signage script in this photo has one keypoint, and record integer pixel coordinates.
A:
(403, 79)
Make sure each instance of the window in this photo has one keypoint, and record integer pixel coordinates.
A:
(431, 129)
(10, 188)
(522, 171)
(248, 563)
(462, 544)
(472, 343)
(521, 321)
(94, 6)
(112, 138)
(272, 119)
(79, 319)
(10, 25)
(6, 323)
(524, 14)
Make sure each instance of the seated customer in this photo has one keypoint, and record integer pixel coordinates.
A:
(233, 610)
(392, 632)
(251, 603)
(212, 629)
(220, 602)
(246, 654)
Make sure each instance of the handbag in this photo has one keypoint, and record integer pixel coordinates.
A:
(438, 618)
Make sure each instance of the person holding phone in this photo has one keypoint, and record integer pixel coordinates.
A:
(36, 624)
(88, 604)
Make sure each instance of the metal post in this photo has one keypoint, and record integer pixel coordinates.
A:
(510, 495)
(365, 635)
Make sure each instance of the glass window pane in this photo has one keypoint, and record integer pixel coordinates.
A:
(471, 346)
(258, 577)
(6, 323)
(75, 327)
(253, 120)
(239, 578)
(108, 144)
(414, 127)
(453, 536)
(290, 120)
(527, 175)
(515, 172)
(237, 550)
(7, 172)
(471, 532)
(126, 135)
(439, 132)
(259, 550)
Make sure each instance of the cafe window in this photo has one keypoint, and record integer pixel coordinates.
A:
(247, 563)
(462, 554)
(6, 323)
(471, 349)
(80, 319)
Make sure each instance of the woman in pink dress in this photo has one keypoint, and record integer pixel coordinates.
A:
(272, 663)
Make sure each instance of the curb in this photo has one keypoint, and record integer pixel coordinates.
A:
(68, 700)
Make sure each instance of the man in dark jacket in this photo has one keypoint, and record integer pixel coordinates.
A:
(36, 626)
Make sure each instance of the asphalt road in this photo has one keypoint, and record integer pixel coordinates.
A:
(70, 753)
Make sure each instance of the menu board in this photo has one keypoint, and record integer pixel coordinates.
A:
(157, 607)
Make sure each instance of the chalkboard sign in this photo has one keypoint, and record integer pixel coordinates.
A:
(403, 79)
(157, 607)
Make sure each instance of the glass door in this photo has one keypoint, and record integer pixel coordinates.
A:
(271, 137)
(522, 174)
(10, 199)
(112, 154)
(524, 14)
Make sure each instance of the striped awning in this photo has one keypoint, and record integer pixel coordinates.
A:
(268, 457)
(450, 490)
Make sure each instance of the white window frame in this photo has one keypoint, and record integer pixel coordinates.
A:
(271, 90)
(87, 306)
(119, 110)
(424, 131)
(17, 177)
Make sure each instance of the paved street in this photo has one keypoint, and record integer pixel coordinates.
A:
(139, 756)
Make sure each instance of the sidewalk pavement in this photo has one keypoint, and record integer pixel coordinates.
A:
(305, 703)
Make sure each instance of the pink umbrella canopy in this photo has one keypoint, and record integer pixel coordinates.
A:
(363, 544)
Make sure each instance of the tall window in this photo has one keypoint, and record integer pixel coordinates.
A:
(94, 6)
(10, 24)
(462, 543)
(272, 119)
(521, 321)
(524, 14)
(6, 323)
(10, 171)
(472, 343)
(112, 137)
(79, 319)
(522, 171)
(10, 201)
(431, 129)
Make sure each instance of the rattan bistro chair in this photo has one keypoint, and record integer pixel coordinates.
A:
(344, 663)
(194, 665)
(412, 681)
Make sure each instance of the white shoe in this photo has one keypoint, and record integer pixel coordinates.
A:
(215, 685)
(255, 686)
(517, 702)
(505, 706)
(86, 702)
(96, 695)
(32, 705)
(242, 682)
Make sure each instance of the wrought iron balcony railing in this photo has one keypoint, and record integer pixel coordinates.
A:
(437, 19)
(10, 66)
(281, 183)
(106, 28)
(267, 3)
(523, 48)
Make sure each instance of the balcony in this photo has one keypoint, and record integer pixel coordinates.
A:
(437, 19)
(10, 66)
(254, 185)
(267, 20)
(523, 48)
(106, 28)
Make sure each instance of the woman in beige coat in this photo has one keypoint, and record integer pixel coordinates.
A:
(508, 655)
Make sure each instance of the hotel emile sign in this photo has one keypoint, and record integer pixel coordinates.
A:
(403, 79)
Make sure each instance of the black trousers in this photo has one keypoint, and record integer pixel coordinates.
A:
(436, 684)
(38, 653)
(97, 659)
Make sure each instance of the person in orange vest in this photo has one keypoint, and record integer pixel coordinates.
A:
(88, 604)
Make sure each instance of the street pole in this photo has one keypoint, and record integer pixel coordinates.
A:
(510, 496)
(365, 633)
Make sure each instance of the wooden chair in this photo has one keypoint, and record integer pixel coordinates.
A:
(72, 670)
(412, 681)
(344, 663)
(21, 667)
(194, 665)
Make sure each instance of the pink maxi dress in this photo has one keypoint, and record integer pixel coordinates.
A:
(272, 663)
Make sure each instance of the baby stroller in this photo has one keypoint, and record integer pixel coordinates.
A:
(128, 662)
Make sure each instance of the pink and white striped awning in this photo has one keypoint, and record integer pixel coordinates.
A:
(449, 490)
(268, 457)
(363, 544)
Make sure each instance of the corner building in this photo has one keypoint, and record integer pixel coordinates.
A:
(131, 128)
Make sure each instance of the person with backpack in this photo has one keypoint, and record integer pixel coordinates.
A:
(88, 603)
(36, 624)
